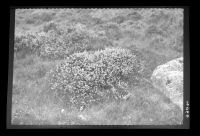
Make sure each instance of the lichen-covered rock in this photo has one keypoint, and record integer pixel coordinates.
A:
(169, 79)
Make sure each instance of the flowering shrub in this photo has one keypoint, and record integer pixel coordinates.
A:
(57, 46)
(89, 77)
(59, 42)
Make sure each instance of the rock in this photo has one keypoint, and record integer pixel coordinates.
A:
(168, 78)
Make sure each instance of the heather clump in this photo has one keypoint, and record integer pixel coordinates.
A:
(58, 42)
(86, 77)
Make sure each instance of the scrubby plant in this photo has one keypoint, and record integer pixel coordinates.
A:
(50, 26)
(57, 45)
(37, 43)
(114, 34)
(58, 42)
(86, 78)
(27, 43)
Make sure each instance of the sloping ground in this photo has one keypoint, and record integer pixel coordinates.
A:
(145, 106)
(33, 104)
(150, 32)
(157, 30)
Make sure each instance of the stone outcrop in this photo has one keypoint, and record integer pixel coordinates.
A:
(168, 78)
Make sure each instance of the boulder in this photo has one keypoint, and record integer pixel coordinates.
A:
(168, 78)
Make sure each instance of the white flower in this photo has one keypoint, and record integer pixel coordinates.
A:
(62, 111)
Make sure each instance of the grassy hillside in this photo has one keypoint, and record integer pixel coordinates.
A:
(154, 35)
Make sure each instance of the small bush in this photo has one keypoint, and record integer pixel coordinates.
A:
(112, 30)
(59, 41)
(85, 78)
(119, 19)
(27, 43)
(57, 46)
(50, 26)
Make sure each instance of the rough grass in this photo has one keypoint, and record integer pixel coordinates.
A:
(33, 104)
